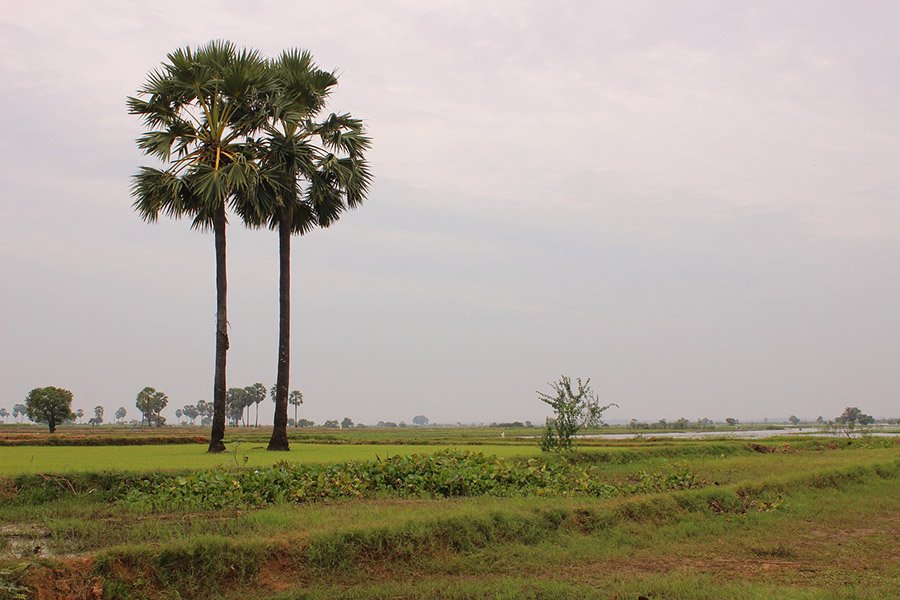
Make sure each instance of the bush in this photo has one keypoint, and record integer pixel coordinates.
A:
(442, 474)
(573, 409)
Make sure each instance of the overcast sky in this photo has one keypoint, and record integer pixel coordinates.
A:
(695, 204)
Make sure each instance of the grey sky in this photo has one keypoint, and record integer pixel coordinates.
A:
(693, 203)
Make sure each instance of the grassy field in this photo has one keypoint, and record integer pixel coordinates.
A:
(15, 460)
(785, 519)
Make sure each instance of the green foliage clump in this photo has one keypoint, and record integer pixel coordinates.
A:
(853, 416)
(574, 409)
(442, 474)
(151, 402)
(50, 405)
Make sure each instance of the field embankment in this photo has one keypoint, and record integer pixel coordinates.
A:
(704, 520)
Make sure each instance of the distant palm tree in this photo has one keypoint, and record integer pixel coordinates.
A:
(200, 106)
(311, 172)
(257, 393)
(295, 400)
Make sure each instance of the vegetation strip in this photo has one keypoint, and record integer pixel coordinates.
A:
(442, 474)
(101, 440)
(211, 562)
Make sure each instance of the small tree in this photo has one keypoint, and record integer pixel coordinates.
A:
(420, 420)
(851, 417)
(731, 421)
(3, 414)
(50, 405)
(236, 400)
(330, 424)
(574, 409)
(794, 420)
(151, 402)
(19, 410)
(347, 423)
(205, 410)
(190, 411)
(98, 415)
(79, 413)
(120, 413)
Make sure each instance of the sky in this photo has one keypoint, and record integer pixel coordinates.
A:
(695, 204)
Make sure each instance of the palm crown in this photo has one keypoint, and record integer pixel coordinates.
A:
(311, 171)
(200, 107)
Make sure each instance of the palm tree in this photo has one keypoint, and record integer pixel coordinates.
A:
(200, 106)
(295, 400)
(257, 393)
(312, 171)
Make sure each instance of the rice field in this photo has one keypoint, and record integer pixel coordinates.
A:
(811, 518)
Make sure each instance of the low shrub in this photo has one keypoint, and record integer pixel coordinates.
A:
(442, 474)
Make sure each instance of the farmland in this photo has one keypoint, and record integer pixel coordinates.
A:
(450, 514)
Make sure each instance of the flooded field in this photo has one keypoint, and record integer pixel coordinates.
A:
(750, 434)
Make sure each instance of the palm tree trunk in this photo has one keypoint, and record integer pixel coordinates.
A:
(216, 443)
(279, 439)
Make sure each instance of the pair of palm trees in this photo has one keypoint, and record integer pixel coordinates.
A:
(237, 131)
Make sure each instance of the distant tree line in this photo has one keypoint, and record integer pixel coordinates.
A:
(53, 406)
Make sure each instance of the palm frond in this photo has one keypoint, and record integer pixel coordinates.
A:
(157, 191)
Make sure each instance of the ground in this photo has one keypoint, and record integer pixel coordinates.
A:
(783, 518)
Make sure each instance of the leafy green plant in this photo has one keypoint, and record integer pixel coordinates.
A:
(442, 474)
(574, 409)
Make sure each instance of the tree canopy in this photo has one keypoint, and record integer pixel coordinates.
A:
(151, 403)
(574, 408)
(50, 405)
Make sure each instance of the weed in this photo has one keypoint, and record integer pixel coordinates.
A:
(11, 585)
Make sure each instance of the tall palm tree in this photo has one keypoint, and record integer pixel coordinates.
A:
(200, 107)
(295, 400)
(312, 171)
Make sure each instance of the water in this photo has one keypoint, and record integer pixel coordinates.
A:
(750, 434)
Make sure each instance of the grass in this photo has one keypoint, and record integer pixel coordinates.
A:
(20, 459)
(16, 460)
(812, 520)
(695, 587)
(536, 540)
